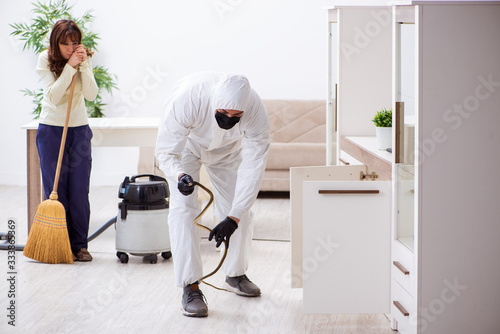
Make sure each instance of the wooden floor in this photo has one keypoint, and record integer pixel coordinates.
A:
(106, 296)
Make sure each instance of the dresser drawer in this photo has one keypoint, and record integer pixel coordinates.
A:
(402, 270)
(402, 309)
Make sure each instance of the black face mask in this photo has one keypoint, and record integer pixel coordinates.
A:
(225, 122)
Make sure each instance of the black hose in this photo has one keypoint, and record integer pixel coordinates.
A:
(6, 246)
(102, 229)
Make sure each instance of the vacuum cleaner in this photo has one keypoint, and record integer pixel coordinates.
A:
(141, 224)
(142, 220)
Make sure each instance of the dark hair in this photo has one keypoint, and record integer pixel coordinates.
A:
(61, 31)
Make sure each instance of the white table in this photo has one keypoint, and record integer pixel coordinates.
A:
(108, 132)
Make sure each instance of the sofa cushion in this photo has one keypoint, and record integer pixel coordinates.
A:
(276, 180)
(297, 121)
(286, 155)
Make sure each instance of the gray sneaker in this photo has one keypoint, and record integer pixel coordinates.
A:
(242, 286)
(194, 302)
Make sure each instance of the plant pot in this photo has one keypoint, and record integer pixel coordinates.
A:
(384, 138)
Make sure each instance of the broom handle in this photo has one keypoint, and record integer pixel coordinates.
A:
(65, 131)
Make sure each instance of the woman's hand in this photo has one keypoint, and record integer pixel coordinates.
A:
(78, 56)
(82, 53)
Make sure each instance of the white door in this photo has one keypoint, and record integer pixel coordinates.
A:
(346, 246)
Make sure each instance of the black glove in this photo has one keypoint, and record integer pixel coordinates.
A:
(223, 231)
(186, 185)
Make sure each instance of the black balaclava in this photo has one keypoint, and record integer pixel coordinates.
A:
(225, 122)
(231, 92)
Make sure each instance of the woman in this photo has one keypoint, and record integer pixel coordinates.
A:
(56, 67)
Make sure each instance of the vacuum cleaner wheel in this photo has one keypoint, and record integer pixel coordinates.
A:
(153, 258)
(122, 256)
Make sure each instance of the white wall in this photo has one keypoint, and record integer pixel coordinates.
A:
(150, 44)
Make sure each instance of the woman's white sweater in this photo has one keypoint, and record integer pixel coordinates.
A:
(56, 92)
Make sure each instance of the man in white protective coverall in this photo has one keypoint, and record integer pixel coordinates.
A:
(217, 120)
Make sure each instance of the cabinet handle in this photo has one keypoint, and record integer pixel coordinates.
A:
(348, 191)
(400, 267)
(401, 308)
(399, 119)
(335, 107)
(344, 162)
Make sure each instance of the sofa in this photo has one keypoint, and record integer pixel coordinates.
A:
(298, 138)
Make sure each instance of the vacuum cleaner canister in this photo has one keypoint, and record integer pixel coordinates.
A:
(142, 221)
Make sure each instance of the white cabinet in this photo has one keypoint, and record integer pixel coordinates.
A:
(360, 68)
(452, 239)
(445, 66)
(363, 75)
(359, 84)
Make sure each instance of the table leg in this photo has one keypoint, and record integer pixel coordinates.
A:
(34, 180)
(146, 160)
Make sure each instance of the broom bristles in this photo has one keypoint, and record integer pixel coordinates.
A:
(48, 240)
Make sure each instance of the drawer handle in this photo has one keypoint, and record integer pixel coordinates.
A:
(400, 267)
(401, 308)
(348, 191)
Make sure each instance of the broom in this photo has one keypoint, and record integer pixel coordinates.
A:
(48, 240)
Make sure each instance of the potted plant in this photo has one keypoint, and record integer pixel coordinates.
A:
(36, 37)
(383, 123)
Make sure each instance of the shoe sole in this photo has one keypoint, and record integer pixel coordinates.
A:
(228, 287)
(193, 315)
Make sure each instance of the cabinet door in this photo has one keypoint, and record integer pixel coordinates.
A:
(297, 177)
(346, 246)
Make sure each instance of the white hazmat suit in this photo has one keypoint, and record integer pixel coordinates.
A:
(234, 159)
